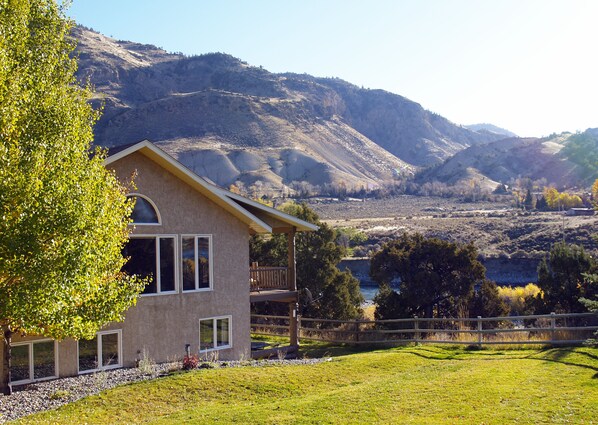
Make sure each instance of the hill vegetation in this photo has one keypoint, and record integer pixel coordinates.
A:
(563, 160)
(277, 134)
(582, 149)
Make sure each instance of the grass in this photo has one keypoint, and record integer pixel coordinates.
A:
(412, 385)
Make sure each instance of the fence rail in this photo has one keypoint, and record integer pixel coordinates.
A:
(553, 329)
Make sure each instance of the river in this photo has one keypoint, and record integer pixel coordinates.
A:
(513, 272)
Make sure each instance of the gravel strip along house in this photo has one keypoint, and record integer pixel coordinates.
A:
(193, 238)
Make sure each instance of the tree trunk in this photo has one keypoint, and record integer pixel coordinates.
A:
(5, 386)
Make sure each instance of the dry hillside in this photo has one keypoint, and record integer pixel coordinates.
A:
(230, 121)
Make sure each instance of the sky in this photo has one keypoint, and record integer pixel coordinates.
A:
(530, 66)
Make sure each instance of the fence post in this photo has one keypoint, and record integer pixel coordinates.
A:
(480, 334)
(298, 327)
(357, 331)
(416, 327)
(294, 324)
(552, 326)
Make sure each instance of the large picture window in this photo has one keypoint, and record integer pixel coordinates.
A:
(215, 333)
(32, 361)
(152, 256)
(197, 262)
(100, 353)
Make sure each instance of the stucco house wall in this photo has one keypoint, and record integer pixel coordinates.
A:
(160, 325)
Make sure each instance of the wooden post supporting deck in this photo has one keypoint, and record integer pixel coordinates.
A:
(292, 277)
(291, 260)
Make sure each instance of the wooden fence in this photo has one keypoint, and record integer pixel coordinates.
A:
(548, 329)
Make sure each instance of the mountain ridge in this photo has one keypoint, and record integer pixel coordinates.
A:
(235, 123)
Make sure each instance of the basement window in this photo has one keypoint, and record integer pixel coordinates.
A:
(215, 333)
(100, 353)
(33, 361)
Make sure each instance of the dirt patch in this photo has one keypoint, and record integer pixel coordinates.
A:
(496, 229)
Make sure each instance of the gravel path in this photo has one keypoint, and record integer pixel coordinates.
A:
(33, 398)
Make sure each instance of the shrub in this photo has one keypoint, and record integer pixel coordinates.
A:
(146, 365)
(190, 362)
(515, 296)
(60, 395)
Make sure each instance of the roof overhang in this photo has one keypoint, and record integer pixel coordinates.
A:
(260, 218)
(278, 220)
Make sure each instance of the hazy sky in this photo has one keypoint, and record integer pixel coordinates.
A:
(530, 66)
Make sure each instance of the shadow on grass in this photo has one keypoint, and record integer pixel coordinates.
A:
(317, 349)
(460, 353)
(556, 355)
(332, 350)
(561, 355)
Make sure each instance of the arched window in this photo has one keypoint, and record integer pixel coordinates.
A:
(144, 212)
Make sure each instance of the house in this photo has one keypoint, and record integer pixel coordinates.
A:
(192, 237)
(580, 211)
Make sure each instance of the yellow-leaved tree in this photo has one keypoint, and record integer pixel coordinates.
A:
(63, 216)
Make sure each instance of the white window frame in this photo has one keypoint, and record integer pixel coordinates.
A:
(99, 361)
(215, 333)
(139, 195)
(196, 259)
(158, 276)
(31, 365)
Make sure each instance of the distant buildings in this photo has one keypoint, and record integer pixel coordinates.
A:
(580, 211)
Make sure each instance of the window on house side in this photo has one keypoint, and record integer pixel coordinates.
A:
(214, 333)
(144, 211)
(197, 263)
(152, 256)
(32, 361)
(101, 352)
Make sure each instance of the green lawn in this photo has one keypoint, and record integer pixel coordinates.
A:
(415, 385)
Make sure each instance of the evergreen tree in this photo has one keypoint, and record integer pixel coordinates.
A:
(326, 292)
(541, 204)
(486, 301)
(561, 279)
(592, 304)
(436, 277)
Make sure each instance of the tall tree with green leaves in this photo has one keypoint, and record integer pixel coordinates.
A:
(562, 279)
(63, 216)
(326, 291)
(437, 277)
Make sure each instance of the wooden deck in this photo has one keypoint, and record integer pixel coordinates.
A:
(268, 278)
(279, 295)
(277, 284)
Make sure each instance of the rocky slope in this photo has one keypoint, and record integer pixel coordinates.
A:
(490, 128)
(232, 122)
(505, 160)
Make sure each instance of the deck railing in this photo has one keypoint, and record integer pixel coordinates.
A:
(553, 329)
(267, 278)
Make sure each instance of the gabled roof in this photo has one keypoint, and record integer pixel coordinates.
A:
(277, 219)
(259, 218)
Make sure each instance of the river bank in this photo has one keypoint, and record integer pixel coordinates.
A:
(503, 271)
